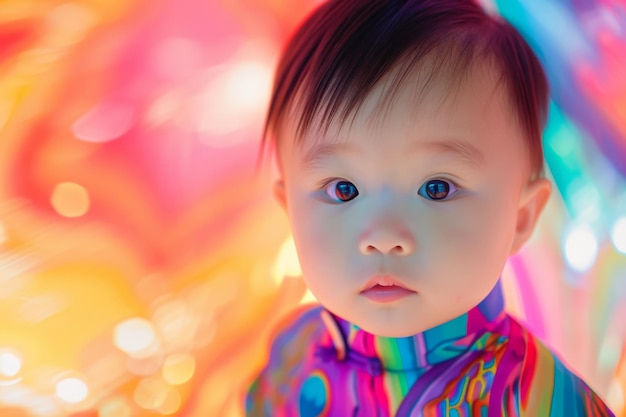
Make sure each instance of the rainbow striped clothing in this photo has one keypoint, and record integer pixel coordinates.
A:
(483, 363)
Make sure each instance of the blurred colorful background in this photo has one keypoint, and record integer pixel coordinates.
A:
(143, 261)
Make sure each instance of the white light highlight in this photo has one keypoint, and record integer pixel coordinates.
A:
(233, 95)
(618, 235)
(308, 298)
(287, 263)
(134, 336)
(581, 248)
(72, 390)
(10, 364)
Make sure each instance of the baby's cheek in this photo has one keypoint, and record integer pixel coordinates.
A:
(471, 242)
(460, 231)
(317, 241)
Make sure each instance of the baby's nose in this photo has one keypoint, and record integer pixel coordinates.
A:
(387, 241)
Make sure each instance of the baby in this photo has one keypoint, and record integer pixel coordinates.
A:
(408, 136)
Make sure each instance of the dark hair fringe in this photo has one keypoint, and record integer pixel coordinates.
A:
(345, 47)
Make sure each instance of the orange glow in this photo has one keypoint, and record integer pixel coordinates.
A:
(144, 263)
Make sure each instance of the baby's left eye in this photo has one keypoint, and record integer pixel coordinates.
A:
(437, 190)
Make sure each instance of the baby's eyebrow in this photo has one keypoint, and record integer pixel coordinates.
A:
(318, 152)
(465, 151)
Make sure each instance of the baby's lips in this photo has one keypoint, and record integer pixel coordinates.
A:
(384, 280)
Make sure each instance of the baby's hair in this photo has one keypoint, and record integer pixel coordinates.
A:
(346, 47)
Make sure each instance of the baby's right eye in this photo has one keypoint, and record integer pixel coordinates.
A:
(341, 190)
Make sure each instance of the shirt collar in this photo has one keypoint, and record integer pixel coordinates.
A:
(432, 346)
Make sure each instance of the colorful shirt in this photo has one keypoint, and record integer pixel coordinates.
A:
(483, 363)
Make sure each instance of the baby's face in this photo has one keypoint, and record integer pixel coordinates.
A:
(432, 198)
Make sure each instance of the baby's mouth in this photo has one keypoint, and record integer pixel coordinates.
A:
(385, 282)
(382, 293)
(385, 289)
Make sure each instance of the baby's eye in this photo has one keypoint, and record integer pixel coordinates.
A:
(341, 190)
(437, 190)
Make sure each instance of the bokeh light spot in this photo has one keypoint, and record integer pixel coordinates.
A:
(176, 325)
(145, 363)
(170, 404)
(72, 390)
(151, 393)
(581, 248)
(10, 363)
(234, 96)
(70, 199)
(115, 407)
(179, 368)
(134, 336)
(247, 85)
(105, 122)
(618, 235)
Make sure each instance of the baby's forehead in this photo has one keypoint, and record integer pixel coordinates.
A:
(406, 98)
(413, 122)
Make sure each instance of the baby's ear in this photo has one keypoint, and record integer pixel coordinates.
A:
(533, 199)
(279, 193)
